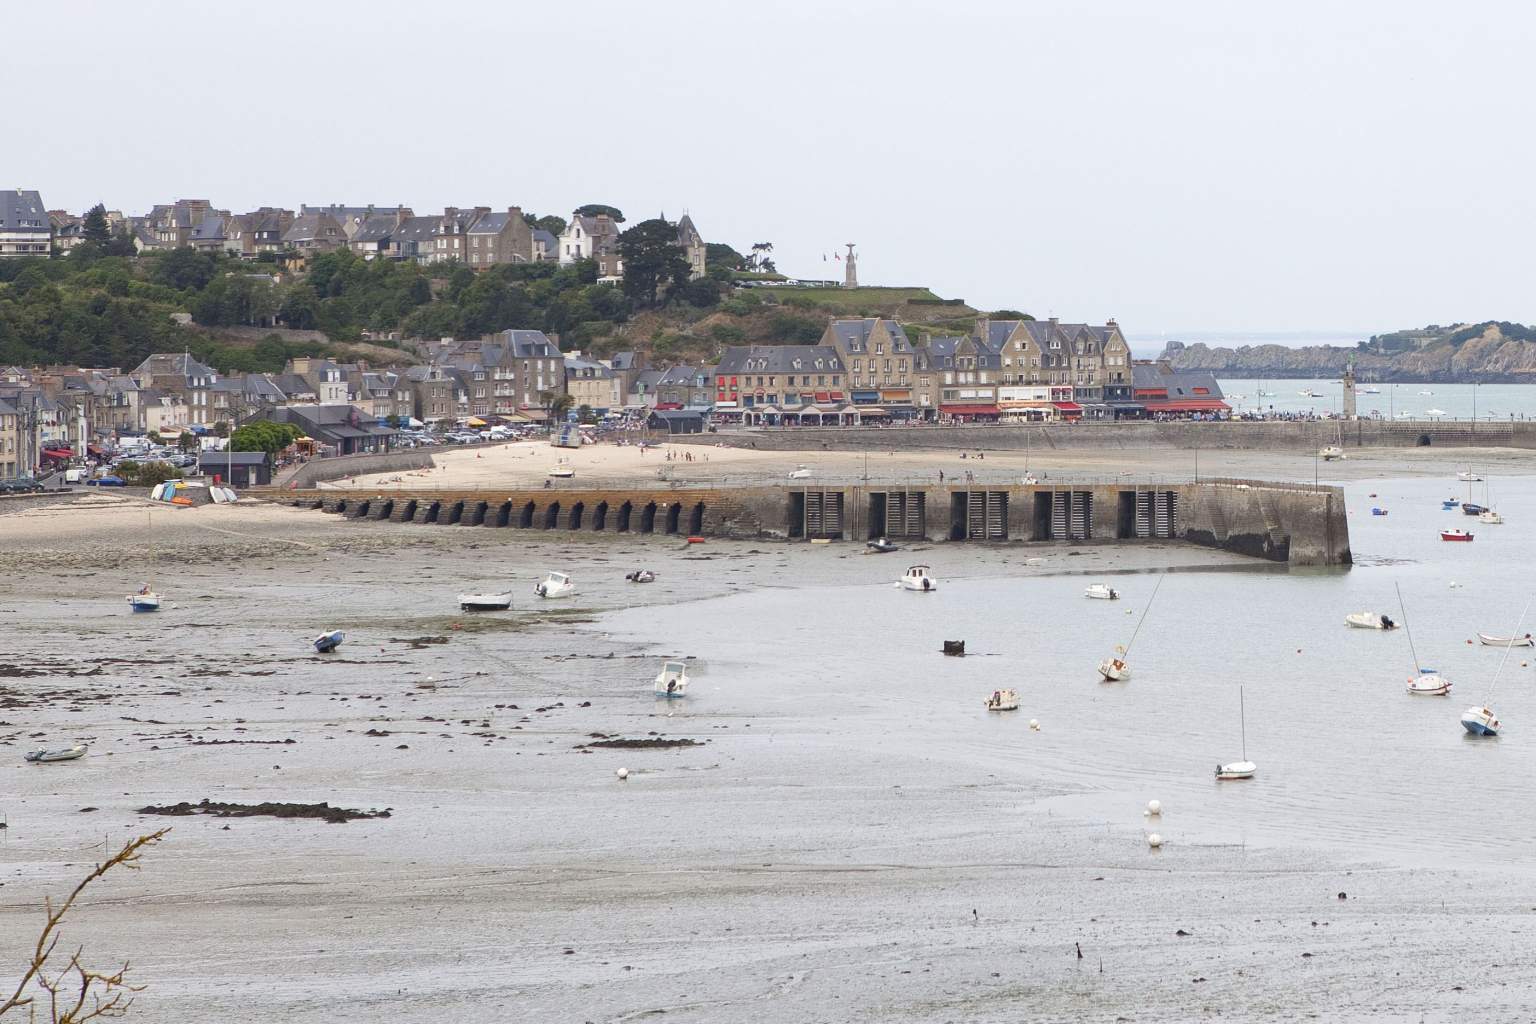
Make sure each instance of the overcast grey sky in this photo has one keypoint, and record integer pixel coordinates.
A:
(1180, 166)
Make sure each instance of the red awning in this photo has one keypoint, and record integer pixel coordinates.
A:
(837, 396)
(1068, 406)
(823, 396)
(665, 406)
(968, 410)
(58, 453)
(1190, 405)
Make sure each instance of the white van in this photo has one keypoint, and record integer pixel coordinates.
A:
(76, 475)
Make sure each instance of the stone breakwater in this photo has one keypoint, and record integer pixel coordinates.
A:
(1296, 524)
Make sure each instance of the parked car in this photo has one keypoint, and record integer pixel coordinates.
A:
(20, 485)
(108, 481)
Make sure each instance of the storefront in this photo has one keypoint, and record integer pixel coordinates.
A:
(978, 413)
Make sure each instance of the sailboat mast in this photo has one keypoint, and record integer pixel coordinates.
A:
(1507, 649)
(1242, 721)
(1144, 615)
(1403, 611)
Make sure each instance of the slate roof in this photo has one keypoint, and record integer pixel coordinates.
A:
(1180, 383)
(491, 224)
(854, 335)
(739, 359)
(376, 229)
(22, 210)
(528, 344)
(209, 229)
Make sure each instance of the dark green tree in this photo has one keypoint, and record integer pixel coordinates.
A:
(593, 209)
(263, 436)
(301, 309)
(96, 229)
(183, 269)
(652, 260)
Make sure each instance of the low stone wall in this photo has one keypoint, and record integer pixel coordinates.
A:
(316, 470)
(1277, 435)
(1295, 524)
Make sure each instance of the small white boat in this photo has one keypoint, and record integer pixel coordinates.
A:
(1434, 412)
(554, 584)
(641, 576)
(917, 578)
(1469, 477)
(1506, 641)
(1368, 390)
(1114, 669)
(56, 754)
(1369, 620)
(563, 469)
(1426, 393)
(145, 600)
(1491, 517)
(1245, 768)
(1003, 700)
(1480, 721)
(672, 680)
(1429, 684)
(1308, 393)
(327, 642)
(800, 472)
(881, 546)
(1331, 452)
(1101, 592)
(485, 602)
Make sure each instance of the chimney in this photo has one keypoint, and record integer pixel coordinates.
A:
(1054, 321)
(1111, 322)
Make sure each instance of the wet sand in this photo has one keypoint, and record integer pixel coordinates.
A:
(757, 876)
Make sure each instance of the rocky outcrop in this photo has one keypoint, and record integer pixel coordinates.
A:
(1481, 353)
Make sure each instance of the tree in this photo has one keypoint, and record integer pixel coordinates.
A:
(593, 209)
(221, 429)
(702, 292)
(300, 310)
(70, 990)
(558, 405)
(1009, 314)
(393, 421)
(652, 258)
(187, 442)
(154, 437)
(183, 269)
(147, 474)
(263, 436)
(720, 255)
(585, 414)
(96, 229)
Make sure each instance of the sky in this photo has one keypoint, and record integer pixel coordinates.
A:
(1188, 168)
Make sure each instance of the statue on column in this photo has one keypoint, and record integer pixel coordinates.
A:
(851, 271)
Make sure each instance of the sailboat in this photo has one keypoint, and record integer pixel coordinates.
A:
(1115, 669)
(1426, 682)
(1245, 768)
(1488, 514)
(1481, 721)
(146, 600)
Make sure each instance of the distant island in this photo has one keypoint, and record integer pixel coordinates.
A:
(1488, 352)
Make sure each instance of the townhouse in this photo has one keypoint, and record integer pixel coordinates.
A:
(773, 385)
(881, 364)
(25, 229)
(592, 384)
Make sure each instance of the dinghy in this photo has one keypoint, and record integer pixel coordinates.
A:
(1331, 452)
(1245, 768)
(554, 584)
(563, 469)
(1101, 592)
(917, 579)
(1378, 511)
(1450, 503)
(1369, 620)
(1469, 477)
(1480, 720)
(641, 576)
(1506, 641)
(1115, 669)
(56, 754)
(881, 546)
(485, 602)
(1003, 700)
(325, 643)
(672, 680)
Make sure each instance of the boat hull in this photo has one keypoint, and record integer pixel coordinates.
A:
(1114, 671)
(144, 602)
(1480, 722)
(328, 642)
(1235, 771)
(1003, 700)
(1461, 538)
(1505, 641)
(485, 602)
(1429, 685)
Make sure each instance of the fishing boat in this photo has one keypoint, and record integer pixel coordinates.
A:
(1426, 682)
(1003, 700)
(1102, 592)
(563, 469)
(325, 643)
(1450, 503)
(1490, 517)
(1245, 768)
(1330, 452)
(641, 576)
(917, 578)
(554, 584)
(48, 756)
(485, 602)
(1480, 720)
(1469, 509)
(881, 546)
(1116, 669)
(1459, 535)
(1467, 476)
(672, 680)
(1369, 620)
(1506, 641)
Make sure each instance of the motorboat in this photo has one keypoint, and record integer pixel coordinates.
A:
(1469, 477)
(48, 756)
(800, 472)
(1003, 700)
(1308, 393)
(1469, 509)
(485, 602)
(1377, 510)
(672, 680)
(1425, 393)
(562, 470)
(1461, 535)
(1434, 412)
(1480, 721)
(1506, 641)
(1369, 620)
(1331, 452)
(1368, 390)
(1450, 503)
(554, 584)
(641, 576)
(1245, 768)
(1429, 683)
(145, 600)
(1101, 592)
(881, 546)
(325, 643)
(1491, 517)
(917, 578)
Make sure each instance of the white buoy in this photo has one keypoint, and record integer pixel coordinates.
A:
(1154, 808)
(1034, 723)
(1154, 840)
(1454, 584)
(622, 773)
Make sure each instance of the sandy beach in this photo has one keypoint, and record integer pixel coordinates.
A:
(755, 876)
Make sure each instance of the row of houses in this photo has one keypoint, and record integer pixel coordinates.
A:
(479, 237)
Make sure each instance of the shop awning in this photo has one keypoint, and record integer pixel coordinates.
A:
(968, 410)
(58, 453)
(870, 410)
(1068, 407)
(866, 396)
(837, 396)
(1190, 405)
(668, 406)
(475, 421)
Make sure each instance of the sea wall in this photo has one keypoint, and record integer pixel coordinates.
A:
(1294, 524)
(316, 470)
(1269, 435)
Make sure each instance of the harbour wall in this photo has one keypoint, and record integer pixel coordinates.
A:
(1295, 524)
(316, 470)
(1304, 435)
